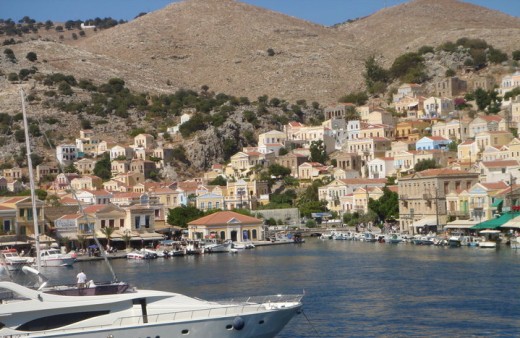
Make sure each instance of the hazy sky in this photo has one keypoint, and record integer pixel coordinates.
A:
(325, 12)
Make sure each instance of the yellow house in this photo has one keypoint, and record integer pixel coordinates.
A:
(24, 220)
(404, 130)
(493, 138)
(362, 195)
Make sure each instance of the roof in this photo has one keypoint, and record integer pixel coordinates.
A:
(441, 172)
(225, 217)
(495, 185)
(94, 208)
(505, 163)
(437, 138)
(364, 181)
(71, 216)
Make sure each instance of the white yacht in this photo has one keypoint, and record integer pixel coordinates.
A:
(144, 313)
(53, 257)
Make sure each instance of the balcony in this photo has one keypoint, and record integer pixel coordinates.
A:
(459, 214)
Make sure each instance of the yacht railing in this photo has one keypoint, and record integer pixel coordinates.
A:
(232, 309)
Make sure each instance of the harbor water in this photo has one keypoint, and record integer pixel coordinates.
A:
(352, 289)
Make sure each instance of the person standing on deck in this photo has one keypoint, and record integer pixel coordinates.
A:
(82, 279)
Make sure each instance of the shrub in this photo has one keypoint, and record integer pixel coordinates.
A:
(358, 98)
(496, 56)
(426, 49)
(12, 77)
(450, 72)
(270, 52)
(31, 56)
(516, 55)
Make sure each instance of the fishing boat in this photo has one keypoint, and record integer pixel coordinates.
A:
(140, 313)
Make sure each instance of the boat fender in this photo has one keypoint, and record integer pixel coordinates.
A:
(238, 323)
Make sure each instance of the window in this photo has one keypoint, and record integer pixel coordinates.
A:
(7, 225)
(111, 223)
(103, 223)
(137, 223)
(147, 221)
(121, 223)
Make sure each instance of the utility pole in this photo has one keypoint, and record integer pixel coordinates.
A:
(437, 208)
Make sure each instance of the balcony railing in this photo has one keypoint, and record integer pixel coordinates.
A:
(458, 213)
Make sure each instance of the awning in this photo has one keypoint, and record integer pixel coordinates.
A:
(151, 236)
(493, 223)
(430, 221)
(512, 223)
(497, 203)
(461, 224)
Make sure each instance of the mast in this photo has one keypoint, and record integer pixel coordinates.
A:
(31, 180)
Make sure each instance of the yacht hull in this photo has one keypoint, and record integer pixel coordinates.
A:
(273, 323)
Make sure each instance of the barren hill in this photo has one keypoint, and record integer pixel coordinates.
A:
(244, 50)
(395, 30)
(224, 44)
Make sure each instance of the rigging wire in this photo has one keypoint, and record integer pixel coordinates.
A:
(310, 323)
(74, 195)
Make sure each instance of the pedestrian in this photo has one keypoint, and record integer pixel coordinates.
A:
(82, 279)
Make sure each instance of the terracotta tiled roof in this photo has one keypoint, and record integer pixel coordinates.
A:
(393, 188)
(93, 208)
(126, 195)
(441, 171)
(13, 200)
(225, 217)
(494, 164)
(364, 181)
(495, 185)
(6, 208)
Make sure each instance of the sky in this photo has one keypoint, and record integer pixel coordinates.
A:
(324, 12)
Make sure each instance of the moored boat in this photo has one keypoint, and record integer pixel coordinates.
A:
(140, 313)
(53, 257)
(13, 261)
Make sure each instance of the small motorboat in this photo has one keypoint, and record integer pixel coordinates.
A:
(13, 261)
(53, 257)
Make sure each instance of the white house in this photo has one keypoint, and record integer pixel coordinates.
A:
(66, 153)
(381, 167)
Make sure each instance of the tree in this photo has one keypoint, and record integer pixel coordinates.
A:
(181, 216)
(108, 231)
(103, 168)
(318, 152)
(31, 56)
(376, 77)
(496, 55)
(219, 180)
(409, 67)
(357, 98)
(278, 170)
(425, 164)
(481, 98)
(387, 206)
(516, 55)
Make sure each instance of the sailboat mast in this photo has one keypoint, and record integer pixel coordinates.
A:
(31, 180)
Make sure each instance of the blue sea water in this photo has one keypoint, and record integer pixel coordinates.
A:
(352, 289)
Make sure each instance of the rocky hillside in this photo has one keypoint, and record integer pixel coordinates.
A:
(395, 30)
(236, 49)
